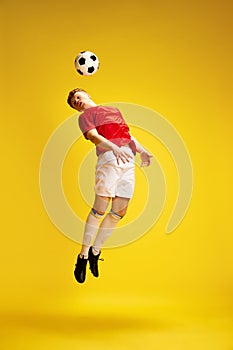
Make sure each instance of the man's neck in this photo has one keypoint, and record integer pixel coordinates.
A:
(90, 105)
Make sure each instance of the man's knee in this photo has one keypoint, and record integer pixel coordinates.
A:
(97, 213)
(100, 205)
(120, 206)
(118, 214)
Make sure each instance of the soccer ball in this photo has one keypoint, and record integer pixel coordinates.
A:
(86, 63)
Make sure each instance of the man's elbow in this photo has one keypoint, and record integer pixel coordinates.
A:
(93, 139)
(91, 136)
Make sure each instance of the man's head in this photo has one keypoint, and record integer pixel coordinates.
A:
(79, 100)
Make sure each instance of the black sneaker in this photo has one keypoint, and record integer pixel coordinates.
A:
(80, 269)
(93, 261)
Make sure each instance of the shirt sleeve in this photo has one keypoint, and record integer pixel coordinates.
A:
(86, 122)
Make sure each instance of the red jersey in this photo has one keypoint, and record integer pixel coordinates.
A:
(109, 123)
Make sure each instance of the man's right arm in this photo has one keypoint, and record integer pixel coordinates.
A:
(102, 142)
(98, 139)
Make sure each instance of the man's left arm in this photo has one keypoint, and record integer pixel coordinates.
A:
(144, 154)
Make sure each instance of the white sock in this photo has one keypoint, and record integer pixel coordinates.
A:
(95, 251)
(105, 230)
(83, 256)
(90, 230)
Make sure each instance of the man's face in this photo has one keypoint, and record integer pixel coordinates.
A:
(80, 100)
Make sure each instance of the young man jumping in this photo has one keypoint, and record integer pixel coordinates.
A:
(114, 178)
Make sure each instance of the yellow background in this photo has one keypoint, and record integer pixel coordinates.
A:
(163, 291)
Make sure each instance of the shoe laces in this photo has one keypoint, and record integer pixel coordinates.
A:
(97, 258)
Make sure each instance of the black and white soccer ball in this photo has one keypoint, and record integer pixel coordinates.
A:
(86, 63)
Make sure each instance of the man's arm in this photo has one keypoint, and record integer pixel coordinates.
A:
(101, 141)
(144, 154)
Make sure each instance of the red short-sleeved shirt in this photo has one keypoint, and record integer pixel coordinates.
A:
(109, 123)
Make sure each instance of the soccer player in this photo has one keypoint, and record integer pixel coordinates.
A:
(114, 178)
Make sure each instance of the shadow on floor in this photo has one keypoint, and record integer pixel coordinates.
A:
(80, 324)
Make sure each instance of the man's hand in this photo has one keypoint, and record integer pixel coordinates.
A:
(121, 154)
(145, 158)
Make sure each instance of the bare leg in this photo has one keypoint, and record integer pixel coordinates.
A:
(120, 205)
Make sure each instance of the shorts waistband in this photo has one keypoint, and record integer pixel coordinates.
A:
(127, 145)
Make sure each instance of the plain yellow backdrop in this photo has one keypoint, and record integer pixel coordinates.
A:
(162, 291)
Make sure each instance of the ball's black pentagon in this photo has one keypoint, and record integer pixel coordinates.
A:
(82, 61)
(90, 69)
(93, 57)
(82, 51)
(79, 71)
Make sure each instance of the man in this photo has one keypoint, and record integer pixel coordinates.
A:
(115, 148)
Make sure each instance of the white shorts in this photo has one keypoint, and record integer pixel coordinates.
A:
(113, 180)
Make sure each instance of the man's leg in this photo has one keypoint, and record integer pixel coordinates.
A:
(118, 210)
(92, 223)
(91, 227)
